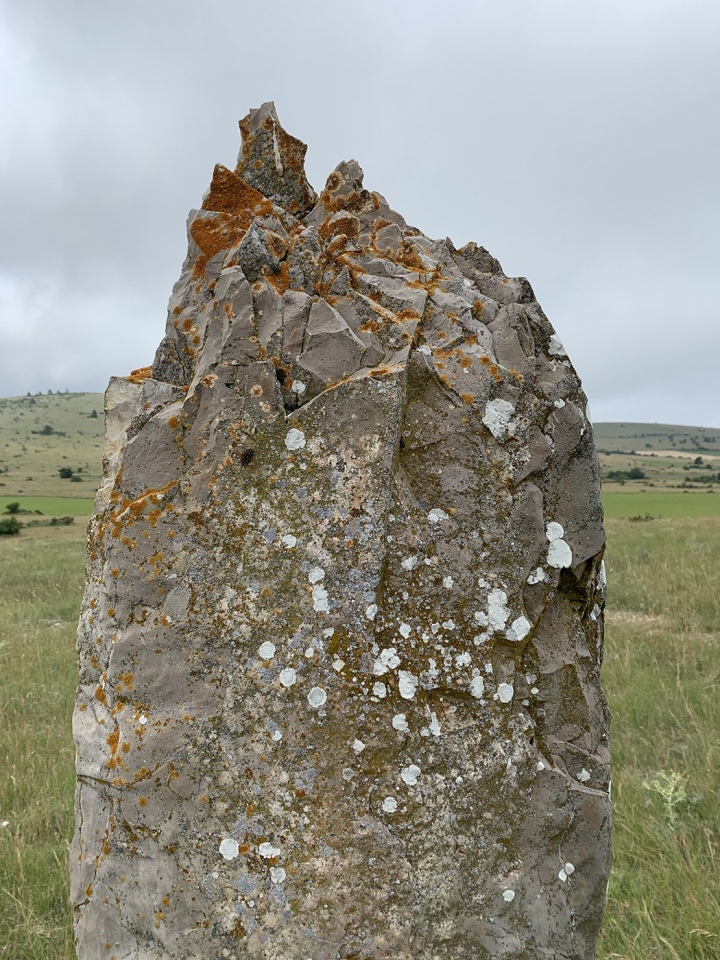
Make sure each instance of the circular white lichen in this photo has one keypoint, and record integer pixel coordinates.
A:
(518, 629)
(508, 896)
(298, 387)
(477, 687)
(389, 804)
(268, 851)
(505, 692)
(410, 774)
(407, 684)
(288, 541)
(358, 746)
(317, 697)
(295, 439)
(288, 677)
(277, 874)
(554, 531)
(436, 515)
(379, 689)
(267, 650)
(559, 554)
(316, 575)
(399, 722)
(229, 848)
(405, 630)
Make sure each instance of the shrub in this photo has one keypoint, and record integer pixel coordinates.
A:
(13, 507)
(9, 526)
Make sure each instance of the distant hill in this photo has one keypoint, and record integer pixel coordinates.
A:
(44, 434)
(642, 437)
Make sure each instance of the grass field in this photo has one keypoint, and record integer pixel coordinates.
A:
(51, 506)
(661, 675)
(39, 435)
(661, 504)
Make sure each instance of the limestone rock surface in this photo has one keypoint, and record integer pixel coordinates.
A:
(340, 643)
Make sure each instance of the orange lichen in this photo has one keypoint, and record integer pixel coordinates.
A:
(492, 368)
(467, 398)
(142, 373)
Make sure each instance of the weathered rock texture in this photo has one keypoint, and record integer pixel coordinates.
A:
(341, 637)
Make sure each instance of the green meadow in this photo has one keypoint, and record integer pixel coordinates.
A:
(661, 676)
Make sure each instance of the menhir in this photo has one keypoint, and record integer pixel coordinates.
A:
(341, 637)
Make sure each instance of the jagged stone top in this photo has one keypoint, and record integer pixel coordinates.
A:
(339, 284)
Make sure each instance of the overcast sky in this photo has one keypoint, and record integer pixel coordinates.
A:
(578, 141)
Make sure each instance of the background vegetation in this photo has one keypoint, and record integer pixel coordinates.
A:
(661, 676)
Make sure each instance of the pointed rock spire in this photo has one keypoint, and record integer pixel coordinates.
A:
(274, 162)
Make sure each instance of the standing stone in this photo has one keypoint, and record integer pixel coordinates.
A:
(341, 637)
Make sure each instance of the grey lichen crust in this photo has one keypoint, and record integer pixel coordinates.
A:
(341, 637)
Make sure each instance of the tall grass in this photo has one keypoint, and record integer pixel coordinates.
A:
(40, 589)
(662, 667)
(661, 674)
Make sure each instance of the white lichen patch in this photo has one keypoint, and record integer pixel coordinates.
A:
(371, 611)
(407, 684)
(277, 736)
(567, 871)
(477, 687)
(554, 531)
(410, 774)
(498, 417)
(399, 722)
(310, 652)
(288, 677)
(505, 692)
(508, 896)
(436, 515)
(555, 347)
(389, 805)
(266, 650)
(229, 848)
(316, 575)
(298, 387)
(358, 746)
(338, 665)
(379, 689)
(583, 776)
(295, 439)
(518, 629)
(559, 555)
(388, 660)
(320, 599)
(288, 541)
(277, 874)
(268, 851)
(409, 563)
(405, 630)
(463, 660)
(498, 613)
(448, 583)
(317, 697)
(537, 576)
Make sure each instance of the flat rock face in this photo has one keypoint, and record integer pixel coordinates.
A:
(342, 631)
